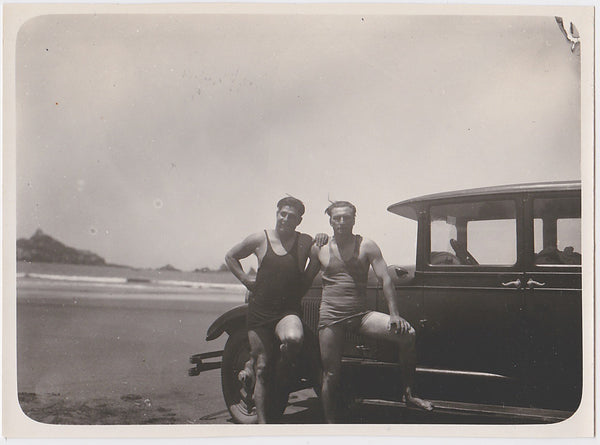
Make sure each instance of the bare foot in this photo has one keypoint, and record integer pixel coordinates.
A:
(246, 376)
(425, 405)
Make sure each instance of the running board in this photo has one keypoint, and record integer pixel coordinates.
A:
(455, 372)
(198, 360)
(474, 409)
(353, 361)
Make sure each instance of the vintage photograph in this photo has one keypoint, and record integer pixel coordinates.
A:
(302, 217)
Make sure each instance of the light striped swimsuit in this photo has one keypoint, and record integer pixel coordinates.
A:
(344, 288)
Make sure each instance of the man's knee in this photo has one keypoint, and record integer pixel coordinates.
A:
(293, 339)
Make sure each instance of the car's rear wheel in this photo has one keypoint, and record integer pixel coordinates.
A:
(239, 402)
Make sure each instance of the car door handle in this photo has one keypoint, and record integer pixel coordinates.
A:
(532, 283)
(516, 283)
(362, 348)
(423, 322)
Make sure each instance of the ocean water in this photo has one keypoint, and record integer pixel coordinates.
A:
(125, 282)
(75, 272)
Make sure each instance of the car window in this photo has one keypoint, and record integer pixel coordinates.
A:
(493, 242)
(557, 231)
(474, 233)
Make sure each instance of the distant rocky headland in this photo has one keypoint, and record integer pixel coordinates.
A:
(42, 248)
(45, 249)
(169, 267)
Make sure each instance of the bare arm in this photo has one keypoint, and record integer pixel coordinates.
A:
(314, 265)
(243, 250)
(380, 268)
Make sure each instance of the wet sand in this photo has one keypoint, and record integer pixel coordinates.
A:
(107, 355)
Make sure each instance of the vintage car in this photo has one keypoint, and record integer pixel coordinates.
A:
(494, 295)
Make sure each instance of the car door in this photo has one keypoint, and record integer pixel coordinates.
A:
(472, 280)
(553, 296)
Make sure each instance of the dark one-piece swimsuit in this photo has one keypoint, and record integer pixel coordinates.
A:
(277, 291)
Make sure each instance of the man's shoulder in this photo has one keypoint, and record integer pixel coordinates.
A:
(304, 242)
(255, 238)
(368, 244)
(304, 237)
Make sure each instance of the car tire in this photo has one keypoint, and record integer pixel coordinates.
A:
(235, 355)
(239, 404)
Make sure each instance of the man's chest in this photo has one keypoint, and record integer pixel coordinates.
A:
(328, 257)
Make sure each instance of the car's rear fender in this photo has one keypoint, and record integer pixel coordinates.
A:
(228, 322)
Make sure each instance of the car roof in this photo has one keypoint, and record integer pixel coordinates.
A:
(409, 207)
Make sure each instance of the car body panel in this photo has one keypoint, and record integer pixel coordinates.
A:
(232, 319)
(477, 321)
(410, 208)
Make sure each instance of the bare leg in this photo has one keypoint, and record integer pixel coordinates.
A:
(260, 349)
(290, 333)
(407, 359)
(246, 375)
(375, 324)
(331, 341)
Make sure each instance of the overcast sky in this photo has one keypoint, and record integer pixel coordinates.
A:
(155, 139)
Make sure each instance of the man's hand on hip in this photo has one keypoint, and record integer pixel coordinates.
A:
(250, 284)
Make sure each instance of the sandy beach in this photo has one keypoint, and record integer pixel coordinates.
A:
(107, 354)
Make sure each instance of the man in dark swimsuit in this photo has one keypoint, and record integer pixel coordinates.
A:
(345, 264)
(274, 305)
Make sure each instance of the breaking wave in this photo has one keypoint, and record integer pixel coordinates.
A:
(132, 282)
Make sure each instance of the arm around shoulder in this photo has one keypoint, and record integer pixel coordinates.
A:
(314, 265)
(304, 242)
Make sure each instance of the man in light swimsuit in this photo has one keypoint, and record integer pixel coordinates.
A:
(345, 264)
(274, 304)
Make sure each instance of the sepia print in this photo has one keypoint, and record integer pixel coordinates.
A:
(325, 217)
